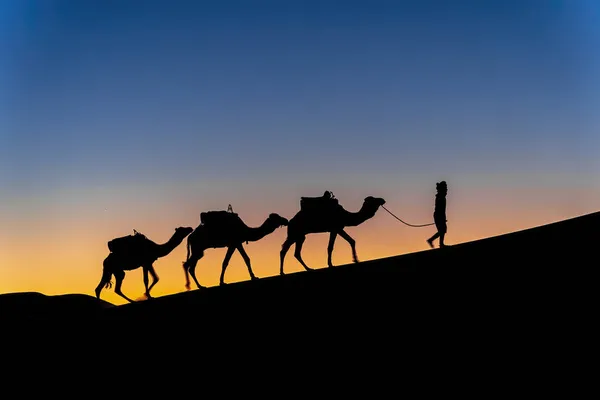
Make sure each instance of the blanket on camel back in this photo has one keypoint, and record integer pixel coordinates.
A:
(128, 243)
(322, 203)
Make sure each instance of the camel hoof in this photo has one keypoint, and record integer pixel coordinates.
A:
(255, 278)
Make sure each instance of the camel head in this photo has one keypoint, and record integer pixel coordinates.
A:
(183, 231)
(277, 220)
(372, 204)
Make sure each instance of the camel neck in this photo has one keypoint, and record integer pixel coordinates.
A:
(165, 248)
(357, 218)
(257, 233)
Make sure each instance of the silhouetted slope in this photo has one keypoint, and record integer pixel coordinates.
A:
(517, 278)
(521, 277)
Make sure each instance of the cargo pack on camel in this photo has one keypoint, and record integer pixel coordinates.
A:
(128, 243)
(322, 203)
(220, 218)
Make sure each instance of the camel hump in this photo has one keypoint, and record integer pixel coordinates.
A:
(320, 203)
(220, 218)
(127, 243)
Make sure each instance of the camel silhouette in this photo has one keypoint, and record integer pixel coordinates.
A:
(328, 217)
(229, 235)
(142, 256)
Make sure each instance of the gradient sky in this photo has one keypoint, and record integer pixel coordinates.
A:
(117, 115)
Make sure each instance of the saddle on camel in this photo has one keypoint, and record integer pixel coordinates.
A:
(325, 203)
(129, 243)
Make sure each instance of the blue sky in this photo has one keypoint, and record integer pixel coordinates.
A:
(132, 87)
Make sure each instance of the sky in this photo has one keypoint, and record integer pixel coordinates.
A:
(122, 115)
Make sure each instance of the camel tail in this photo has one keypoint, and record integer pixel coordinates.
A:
(105, 281)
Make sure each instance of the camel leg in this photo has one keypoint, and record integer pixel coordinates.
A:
(332, 236)
(352, 243)
(284, 249)
(298, 253)
(240, 248)
(145, 274)
(189, 267)
(119, 276)
(155, 279)
(104, 281)
(228, 255)
(187, 275)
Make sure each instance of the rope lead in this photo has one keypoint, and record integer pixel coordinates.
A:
(406, 223)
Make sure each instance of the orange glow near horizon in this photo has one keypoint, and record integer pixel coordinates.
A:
(60, 250)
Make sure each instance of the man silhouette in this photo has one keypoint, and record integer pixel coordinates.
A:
(439, 214)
